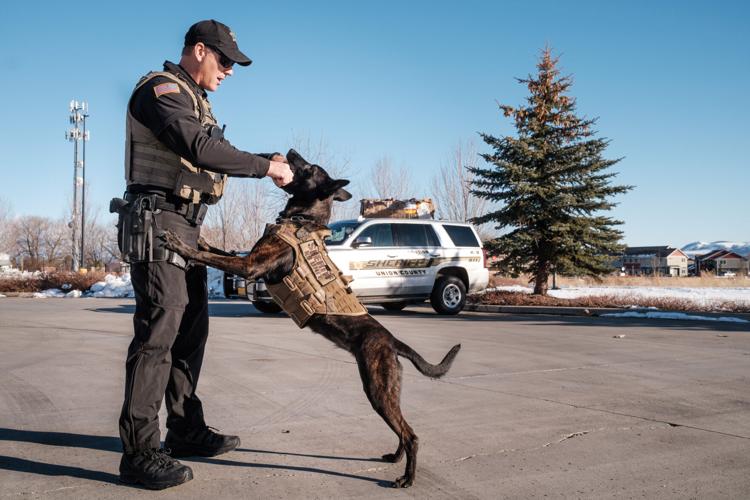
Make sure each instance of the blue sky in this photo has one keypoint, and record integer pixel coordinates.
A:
(407, 80)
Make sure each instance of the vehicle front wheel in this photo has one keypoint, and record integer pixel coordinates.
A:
(393, 306)
(266, 307)
(448, 295)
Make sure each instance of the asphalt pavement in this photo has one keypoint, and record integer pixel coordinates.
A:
(536, 406)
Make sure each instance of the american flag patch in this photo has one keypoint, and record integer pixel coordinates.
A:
(166, 88)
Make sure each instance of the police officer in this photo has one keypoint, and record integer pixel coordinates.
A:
(176, 164)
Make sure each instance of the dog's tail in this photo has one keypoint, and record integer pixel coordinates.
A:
(434, 371)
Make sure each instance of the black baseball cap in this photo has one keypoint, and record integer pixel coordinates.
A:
(219, 36)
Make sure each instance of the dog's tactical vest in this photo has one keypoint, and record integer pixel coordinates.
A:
(315, 285)
(149, 162)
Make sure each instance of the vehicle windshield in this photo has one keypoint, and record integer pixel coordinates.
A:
(340, 231)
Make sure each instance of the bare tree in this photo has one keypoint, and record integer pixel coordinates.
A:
(30, 242)
(221, 220)
(240, 218)
(258, 207)
(451, 188)
(101, 240)
(8, 225)
(337, 164)
(55, 240)
(389, 182)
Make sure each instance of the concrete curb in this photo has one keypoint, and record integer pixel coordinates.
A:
(555, 311)
(586, 311)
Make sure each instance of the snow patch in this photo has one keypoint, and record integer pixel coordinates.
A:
(120, 287)
(706, 297)
(112, 286)
(52, 292)
(13, 273)
(673, 315)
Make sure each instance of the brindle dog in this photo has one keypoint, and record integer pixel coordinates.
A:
(313, 192)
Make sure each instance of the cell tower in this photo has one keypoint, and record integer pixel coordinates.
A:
(78, 114)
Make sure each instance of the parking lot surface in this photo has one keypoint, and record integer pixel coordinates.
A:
(534, 407)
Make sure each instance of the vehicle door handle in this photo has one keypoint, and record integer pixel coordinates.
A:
(434, 255)
(391, 255)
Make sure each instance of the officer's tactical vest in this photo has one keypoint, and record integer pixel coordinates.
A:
(148, 161)
(315, 285)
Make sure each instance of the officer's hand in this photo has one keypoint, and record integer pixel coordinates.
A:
(280, 173)
(280, 158)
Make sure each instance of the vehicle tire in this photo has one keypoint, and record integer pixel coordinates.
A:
(393, 306)
(448, 295)
(266, 307)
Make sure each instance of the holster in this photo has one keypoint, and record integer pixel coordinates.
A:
(138, 235)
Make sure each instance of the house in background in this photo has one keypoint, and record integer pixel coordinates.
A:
(653, 261)
(722, 262)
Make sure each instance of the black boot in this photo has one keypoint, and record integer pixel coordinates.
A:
(200, 442)
(153, 469)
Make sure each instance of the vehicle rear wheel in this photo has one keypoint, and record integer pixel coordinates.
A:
(448, 295)
(266, 307)
(393, 306)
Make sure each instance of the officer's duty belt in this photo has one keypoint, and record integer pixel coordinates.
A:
(193, 212)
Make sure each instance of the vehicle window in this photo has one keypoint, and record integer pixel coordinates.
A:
(415, 235)
(462, 236)
(381, 235)
(340, 231)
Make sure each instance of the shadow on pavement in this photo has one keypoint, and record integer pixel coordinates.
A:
(104, 443)
(45, 469)
(110, 443)
(256, 465)
(247, 450)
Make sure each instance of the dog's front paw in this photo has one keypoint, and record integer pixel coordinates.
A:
(173, 242)
(403, 482)
(203, 244)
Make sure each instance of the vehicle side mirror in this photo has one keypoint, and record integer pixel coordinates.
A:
(362, 241)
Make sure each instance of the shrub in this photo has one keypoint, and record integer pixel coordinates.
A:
(65, 281)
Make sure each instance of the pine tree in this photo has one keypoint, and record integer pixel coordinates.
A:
(551, 186)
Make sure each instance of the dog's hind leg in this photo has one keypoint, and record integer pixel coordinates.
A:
(381, 379)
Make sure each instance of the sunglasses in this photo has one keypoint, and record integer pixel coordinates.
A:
(223, 60)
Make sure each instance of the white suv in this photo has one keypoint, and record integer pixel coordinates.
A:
(396, 262)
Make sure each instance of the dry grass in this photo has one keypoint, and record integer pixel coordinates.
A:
(65, 281)
(665, 304)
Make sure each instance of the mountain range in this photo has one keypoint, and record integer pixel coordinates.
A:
(701, 247)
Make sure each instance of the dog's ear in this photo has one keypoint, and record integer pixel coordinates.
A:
(339, 194)
(342, 195)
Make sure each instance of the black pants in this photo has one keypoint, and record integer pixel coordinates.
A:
(165, 357)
